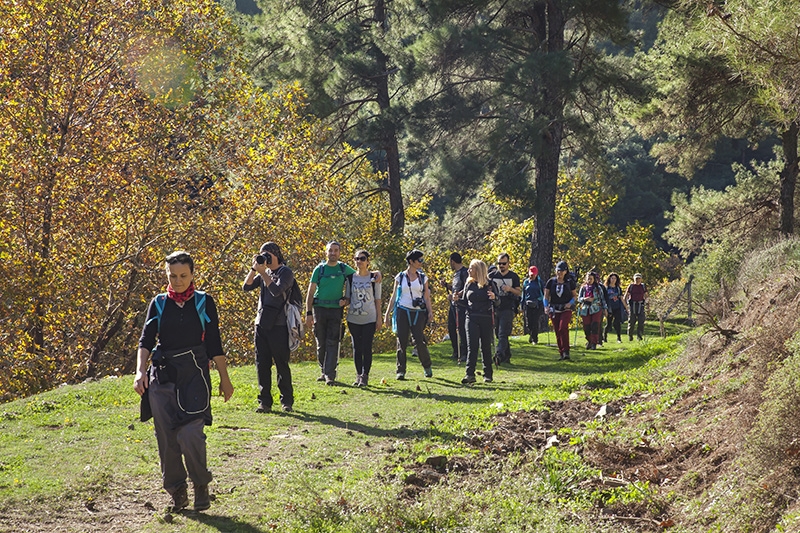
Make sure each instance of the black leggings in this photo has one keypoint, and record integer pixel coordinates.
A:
(614, 321)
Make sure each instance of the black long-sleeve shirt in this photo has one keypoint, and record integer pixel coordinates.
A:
(181, 327)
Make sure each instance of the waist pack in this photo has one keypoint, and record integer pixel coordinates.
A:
(188, 370)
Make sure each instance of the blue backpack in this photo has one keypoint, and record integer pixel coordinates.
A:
(199, 303)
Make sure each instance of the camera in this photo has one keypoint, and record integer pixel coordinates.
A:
(419, 302)
(263, 258)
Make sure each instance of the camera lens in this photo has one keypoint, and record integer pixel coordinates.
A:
(260, 259)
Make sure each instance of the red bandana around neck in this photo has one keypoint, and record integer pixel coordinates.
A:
(180, 297)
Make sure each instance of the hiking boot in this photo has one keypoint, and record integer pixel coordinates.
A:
(428, 372)
(487, 380)
(357, 382)
(286, 408)
(400, 376)
(566, 356)
(630, 338)
(468, 380)
(321, 378)
(202, 500)
(180, 499)
(364, 380)
(263, 408)
(329, 381)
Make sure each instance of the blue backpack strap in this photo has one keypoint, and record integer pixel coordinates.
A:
(160, 301)
(200, 305)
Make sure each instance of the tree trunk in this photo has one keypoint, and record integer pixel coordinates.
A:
(788, 178)
(389, 134)
(550, 29)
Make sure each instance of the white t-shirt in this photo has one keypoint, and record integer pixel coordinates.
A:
(362, 299)
(408, 294)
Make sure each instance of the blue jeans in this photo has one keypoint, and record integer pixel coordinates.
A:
(505, 321)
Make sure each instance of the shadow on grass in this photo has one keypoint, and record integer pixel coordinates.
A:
(372, 431)
(223, 523)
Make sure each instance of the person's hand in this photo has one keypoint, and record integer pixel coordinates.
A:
(140, 382)
(491, 294)
(261, 268)
(225, 388)
(456, 297)
(378, 323)
(309, 321)
(378, 276)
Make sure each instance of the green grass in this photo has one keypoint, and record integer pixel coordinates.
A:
(337, 463)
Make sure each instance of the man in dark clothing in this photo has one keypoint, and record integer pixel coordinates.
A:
(635, 297)
(270, 274)
(457, 315)
(508, 284)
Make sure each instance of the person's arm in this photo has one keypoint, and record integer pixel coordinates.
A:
(140, 382)
(546, 300)
(427, 296)
(571, 303)
(390, 307)
(312, 288)
(252, 280)
(378, 315)
(515, 288)
(225, 385)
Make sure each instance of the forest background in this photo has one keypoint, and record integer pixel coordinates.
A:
(658, 137)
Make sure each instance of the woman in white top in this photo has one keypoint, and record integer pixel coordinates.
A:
(411, 303)
(364, 317)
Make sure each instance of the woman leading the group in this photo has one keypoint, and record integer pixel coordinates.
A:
(558, 302)
(185, 324)
(411, 304)
(592, 306)
(364, 317)
(615, 305)
(481, 297)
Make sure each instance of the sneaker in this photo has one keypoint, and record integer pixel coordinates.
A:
(263, 408)
(400, 376)
(180, 499)
(321, 378)
(286, 408)
(487, 380)
(619, 340)
(566, 355)
(357, 382)
(468, 379)
(428, 372)
(329, 381)
(364, 380)
(202, 500)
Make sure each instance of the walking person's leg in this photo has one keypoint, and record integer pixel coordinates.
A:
(473, 344)
(356, 336)
(279, 347)
(486, 334)
(418, 332)
(263, 369)
(333, 332)
(367, 338)
(403, 331)
(462, 333)
(533, 322)
(320, 336)
(505, 321)
(452, 330)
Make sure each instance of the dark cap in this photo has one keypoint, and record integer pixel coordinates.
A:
(414, 255)
(562, 265)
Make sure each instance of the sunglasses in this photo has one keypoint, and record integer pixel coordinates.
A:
(361, 258)
(503, 264)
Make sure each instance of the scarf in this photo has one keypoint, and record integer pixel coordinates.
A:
(180, 297)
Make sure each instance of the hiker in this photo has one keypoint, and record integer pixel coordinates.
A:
(183, 327)
(457, 314)
(507, 282)
(480, 295)
(599, 280)
(275, 280)
(592, 306)
(363, 315)
(411, 305)
(532, 294)
(324, 306)
(616, 307)
(636, 298)
(559, 301)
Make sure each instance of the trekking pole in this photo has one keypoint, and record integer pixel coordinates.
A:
(575, 341)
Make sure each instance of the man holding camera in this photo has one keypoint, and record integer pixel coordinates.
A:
(270, 274)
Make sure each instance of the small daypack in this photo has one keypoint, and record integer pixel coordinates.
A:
(294, 317)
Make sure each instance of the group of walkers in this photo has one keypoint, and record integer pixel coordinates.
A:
(181, 334)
